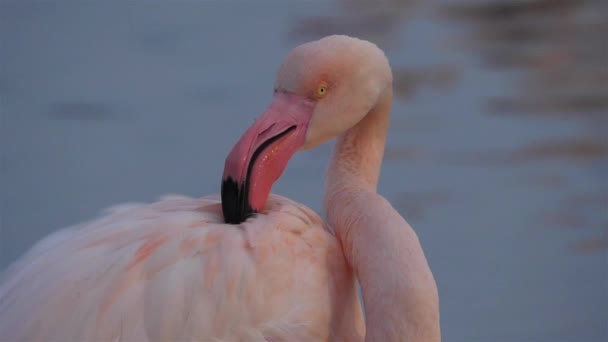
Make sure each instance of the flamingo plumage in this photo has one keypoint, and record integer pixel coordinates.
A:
(175, 270)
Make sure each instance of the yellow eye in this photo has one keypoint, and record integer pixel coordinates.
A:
(322, 90)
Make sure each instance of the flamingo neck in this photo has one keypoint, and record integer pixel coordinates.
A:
(357, 157)
(398, 288)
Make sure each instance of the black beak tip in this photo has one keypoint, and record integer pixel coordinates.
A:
(235, 203)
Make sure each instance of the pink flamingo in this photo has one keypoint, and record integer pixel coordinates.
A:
(174, 270)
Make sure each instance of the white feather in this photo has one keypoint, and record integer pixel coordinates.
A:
(172, 271)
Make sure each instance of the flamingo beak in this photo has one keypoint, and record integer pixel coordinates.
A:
(261, 154)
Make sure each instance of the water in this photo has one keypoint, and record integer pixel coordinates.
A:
(497, 153)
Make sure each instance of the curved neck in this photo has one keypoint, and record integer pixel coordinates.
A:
(357, 156)
(398, 288)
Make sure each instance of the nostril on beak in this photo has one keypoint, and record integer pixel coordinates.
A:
(266, 129)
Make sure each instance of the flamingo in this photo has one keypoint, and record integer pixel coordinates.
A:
(251, 266)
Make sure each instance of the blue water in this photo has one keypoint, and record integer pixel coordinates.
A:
(111, 102)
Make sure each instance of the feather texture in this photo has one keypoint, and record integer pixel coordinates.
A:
(173, 271)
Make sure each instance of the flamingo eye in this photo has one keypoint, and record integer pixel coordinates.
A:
(322, 90)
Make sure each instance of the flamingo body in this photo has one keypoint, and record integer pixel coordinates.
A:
(253, 266)
(173, 271)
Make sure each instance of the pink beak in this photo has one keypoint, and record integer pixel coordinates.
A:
(261, 154)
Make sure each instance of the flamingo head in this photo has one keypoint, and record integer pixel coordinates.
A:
(322, 89)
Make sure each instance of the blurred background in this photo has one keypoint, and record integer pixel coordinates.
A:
(497, 154)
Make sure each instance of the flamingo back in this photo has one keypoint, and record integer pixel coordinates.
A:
(173, 271)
